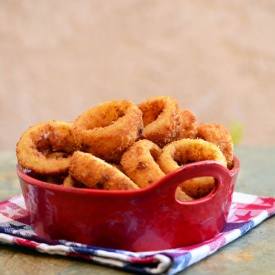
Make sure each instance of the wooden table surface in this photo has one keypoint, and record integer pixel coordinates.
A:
(253, 253)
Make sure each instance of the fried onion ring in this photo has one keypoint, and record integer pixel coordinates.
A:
(182, 196)
(108, 129)
(69, 181)
(188, 126)
(139, 163)
(161, 119)
(219, 135)
(95, 173)
(186, 151)
(46, 148)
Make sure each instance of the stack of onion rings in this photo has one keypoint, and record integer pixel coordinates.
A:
(119, 145)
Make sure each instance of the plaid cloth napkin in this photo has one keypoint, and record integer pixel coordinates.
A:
(246, 212)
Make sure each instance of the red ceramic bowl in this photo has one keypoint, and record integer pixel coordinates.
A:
(139, 220)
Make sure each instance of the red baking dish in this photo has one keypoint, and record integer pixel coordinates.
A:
(138, 220)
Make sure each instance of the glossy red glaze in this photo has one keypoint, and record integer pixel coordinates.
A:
(139, 220)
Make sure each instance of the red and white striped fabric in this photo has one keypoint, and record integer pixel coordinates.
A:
(246, 212)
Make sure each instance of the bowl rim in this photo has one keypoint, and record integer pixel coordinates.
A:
(57, 187)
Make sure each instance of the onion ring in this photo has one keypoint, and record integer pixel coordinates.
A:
(161, 119)
(188, 128)
(139, 163)
(219, 135)
(46, 148)
(186, 151)
(182, 196)
(108, 129)
(69, 181)
(95, 173)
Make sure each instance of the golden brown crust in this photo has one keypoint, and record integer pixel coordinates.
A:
(188, 126)
(108, 129)
(182, 196)
(139, 163)
(219, 135)
(161, 119)
(69, 181)
(46, 148)
(198, 187)
(186, 151)
(95, 173)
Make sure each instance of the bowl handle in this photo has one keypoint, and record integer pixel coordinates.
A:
(167, 185)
